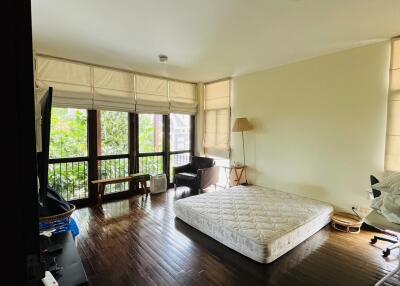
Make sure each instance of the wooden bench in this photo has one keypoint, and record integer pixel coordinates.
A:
(135, 178)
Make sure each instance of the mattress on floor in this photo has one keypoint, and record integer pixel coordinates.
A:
(260, 223)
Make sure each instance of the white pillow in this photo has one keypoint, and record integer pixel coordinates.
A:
(391, 208)
(377, 202)
(389, 184)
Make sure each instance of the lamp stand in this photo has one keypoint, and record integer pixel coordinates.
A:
(244, 162)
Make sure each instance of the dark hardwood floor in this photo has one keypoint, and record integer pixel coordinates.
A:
(140, 242)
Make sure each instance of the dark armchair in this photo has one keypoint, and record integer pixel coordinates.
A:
(199, 174)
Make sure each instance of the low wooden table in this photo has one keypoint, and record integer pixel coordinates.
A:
(136, 178)
(346, 222)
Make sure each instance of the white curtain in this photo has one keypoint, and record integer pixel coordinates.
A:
(71, 82)
(182, 97)
(392, 153)
(79, 85)
(113, 90)
(217, 119)
(151, 95)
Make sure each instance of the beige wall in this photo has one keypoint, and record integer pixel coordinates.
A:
(319, 124)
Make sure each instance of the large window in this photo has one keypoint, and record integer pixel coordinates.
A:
(114, 133)
(151, 143)
(180, 141)
(90, 145)
(114, 148)
(68, 165)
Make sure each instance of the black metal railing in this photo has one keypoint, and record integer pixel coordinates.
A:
(151, 163)
(69, 177)
(114, 166)
(178, 158)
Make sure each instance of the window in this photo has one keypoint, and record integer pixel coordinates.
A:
(179, 132)
(114, 133)
(392, 152)
(73, 152)
(68, 164)
(113, 150)
(151, 143)
(180, 141)
(217, 119)
(150, 133)
(68, 134)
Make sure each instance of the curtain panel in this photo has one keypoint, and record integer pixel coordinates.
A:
(151, 95)
(113, 90)
(216, 140)
(71, 82)
(80, 85)
(182, 97)
(392, 152)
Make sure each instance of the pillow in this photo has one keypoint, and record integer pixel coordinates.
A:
(391, 208)
(389, 184)
(376, 203)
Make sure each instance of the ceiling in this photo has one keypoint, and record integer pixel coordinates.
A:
(207, 39)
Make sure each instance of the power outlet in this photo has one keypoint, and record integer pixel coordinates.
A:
(362, 211)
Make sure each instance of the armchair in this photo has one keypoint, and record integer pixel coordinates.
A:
(199, 174)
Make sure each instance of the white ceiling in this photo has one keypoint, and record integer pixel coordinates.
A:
(207, 39)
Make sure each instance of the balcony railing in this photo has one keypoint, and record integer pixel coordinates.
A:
(114, 166)
(151, 163)
(69, 177)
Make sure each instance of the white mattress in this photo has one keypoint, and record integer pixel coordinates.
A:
(260, 223)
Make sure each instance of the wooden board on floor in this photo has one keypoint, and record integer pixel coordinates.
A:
(138, 241)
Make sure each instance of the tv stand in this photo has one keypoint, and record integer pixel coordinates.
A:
(66, 256)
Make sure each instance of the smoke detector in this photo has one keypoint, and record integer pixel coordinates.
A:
(162, 58)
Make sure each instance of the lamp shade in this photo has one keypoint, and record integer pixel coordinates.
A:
(241, 124)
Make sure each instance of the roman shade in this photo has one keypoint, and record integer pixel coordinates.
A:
(182, 97)
(217, 119)
(80, 85)
(113, 90)
(392, 152)
(71, 82)
(151, 95)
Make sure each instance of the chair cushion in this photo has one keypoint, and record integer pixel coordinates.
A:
(186, 176)
(201, 162)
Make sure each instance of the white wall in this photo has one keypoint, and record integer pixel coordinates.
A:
(319, 124)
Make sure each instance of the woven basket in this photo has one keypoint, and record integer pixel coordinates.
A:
(58, 217)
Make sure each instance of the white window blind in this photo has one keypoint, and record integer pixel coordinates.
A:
(71, 82)
(217, 119)
(182, 97)
(79, 85)
(392, 153)
(113, 90)
(151, 95)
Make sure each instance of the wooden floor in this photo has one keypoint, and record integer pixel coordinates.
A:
(140, 242)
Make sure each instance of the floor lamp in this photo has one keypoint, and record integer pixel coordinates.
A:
(241, 125)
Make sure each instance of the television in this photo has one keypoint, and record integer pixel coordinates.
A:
(43, 121)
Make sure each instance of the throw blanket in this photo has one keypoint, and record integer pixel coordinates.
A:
(388, 203)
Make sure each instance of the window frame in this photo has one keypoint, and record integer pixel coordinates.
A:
(93, 154)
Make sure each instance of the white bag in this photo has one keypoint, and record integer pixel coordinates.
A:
(158, 183)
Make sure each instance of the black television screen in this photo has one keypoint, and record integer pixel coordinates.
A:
(43, 156)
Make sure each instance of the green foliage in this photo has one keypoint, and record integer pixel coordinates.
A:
(150, 133)
(68, 136)
(114, 132)
(68, 139)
